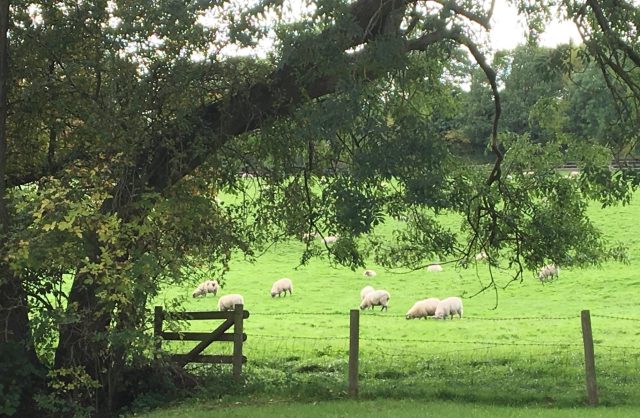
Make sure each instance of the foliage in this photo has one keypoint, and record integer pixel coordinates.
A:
(68, 394)
(16, 378)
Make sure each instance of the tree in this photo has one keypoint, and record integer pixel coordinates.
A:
(142, 121)
(529, 79)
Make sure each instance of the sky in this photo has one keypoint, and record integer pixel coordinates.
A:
(507, 29)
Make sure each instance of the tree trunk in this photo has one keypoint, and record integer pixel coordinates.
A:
(86, 342)
(16, 342)
(83, 342)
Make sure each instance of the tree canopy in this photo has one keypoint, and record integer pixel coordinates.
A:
(122, 122)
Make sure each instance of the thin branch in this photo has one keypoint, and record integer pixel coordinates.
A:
(482, 20)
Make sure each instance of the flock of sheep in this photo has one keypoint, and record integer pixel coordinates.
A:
(370, 297)
(439, 309)
(228, 302)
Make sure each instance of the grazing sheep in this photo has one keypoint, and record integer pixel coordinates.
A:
(229, 302)
(309, 236)
(449, 307)
(574, 174)
(369, 273)
(481, 256)
(330, 239)
(281, 286)
(434, 268)
(365, 291)
(210, 286)
(423, 308)
(548, 272)
(376, 298)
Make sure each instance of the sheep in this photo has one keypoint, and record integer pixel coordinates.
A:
(449, 307)
(548, 272)
(209, 286)
(423, 308)
(281, 286)
(365, 291)
(376, 298)
(229, 302)
(434, 268)
(369, 273)
(212, 286)
(330, 239)
(574, 174)
(481, 256)
(310, 236)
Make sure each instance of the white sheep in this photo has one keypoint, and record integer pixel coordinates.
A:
(212, 286)
(369, 273)
(548, 272)
(481, 256)
(330, 239)
(423, 308)
(376, 298)
(229, 302)
(309, 236)
(209, 286)
(435, 268)
(449, 307)
(281, 286)
(365, 291)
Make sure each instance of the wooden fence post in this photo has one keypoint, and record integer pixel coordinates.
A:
(354, 335)
(237, 341)
(158, 317)
(589, 358)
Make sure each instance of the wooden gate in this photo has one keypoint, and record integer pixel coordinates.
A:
(233, 319)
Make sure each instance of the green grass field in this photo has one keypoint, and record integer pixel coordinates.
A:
(525, 352)
(387, 409)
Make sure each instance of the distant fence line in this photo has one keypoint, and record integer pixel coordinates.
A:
(628, 163)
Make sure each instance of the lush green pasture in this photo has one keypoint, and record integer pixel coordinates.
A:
(386, 408)
(525, 351)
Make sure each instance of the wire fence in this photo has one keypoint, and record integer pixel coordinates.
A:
(427, 358)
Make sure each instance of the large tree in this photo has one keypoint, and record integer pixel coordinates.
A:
(126, 119)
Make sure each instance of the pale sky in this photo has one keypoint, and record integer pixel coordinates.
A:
(507, 29)
(506, 33)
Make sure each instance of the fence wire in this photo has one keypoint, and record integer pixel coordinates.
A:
(526, 363)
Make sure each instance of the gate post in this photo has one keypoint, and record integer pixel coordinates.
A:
(158, 317)
(238, 313)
